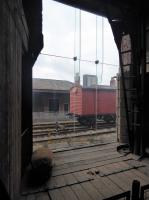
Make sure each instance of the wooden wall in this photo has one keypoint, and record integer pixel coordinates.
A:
(20, 29)
(13, 41)
(121, 124)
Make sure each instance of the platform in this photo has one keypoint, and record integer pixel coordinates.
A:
(92, 172)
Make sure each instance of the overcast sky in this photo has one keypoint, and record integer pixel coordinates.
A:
(59, 36)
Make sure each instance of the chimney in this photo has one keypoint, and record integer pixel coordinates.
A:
(89, 80)
(113, 82)
(77, 78)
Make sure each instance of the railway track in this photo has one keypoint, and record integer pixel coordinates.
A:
(46, 131)
(51, 125)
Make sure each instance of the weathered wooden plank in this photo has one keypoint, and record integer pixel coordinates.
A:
(146, 194)
(82, 148)
(85, 157)
(80, 192)
(51, 184)
(144, 170)
(103, 170)
(65, 156)
(109, 147)
(70, 179)
(85, 149)
(117, 167)
(68, 193)
(124, 179)
(120, 181)
(102, 188)
(91, 190)
(135, 163)
(142, 176)
(56, 195)
(82, 176)
(131, 176)
(90, 161)
(77, 166)
(42, 196)
(60, 181)
(115, 188)
(114, 168)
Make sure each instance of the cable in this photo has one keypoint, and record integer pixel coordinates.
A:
(96, 39)
(80, 47)
(82, 60)
(109, 64)
(75, 23)
(96, 71)
(102, 59)
(52, 55)
(75, 58)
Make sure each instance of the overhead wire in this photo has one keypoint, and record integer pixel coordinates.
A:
(57, 56)
(96, 69)
(102, 52)
(80, 40)
(75, 28)
(72, 58)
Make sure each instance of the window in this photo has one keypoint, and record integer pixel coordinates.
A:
(65, 107)
(53, 105)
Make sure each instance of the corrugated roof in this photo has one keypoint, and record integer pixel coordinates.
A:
(50, 84)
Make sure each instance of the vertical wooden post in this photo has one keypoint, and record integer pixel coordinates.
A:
(135, 195)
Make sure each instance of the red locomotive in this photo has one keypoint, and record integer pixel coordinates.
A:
(93, 103)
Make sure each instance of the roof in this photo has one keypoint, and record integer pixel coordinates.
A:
(104, 7)
(100, 87)
(51, 84)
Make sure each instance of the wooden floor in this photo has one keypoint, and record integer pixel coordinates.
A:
(90, 173)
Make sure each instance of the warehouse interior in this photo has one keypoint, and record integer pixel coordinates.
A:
(21, 41)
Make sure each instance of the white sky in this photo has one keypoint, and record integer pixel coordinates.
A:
(59, 31)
